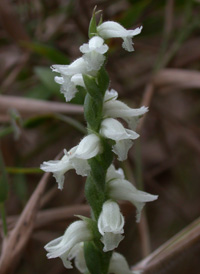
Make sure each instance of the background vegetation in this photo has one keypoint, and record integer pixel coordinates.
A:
(36, 124)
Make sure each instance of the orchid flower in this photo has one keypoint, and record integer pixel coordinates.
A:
(94, 53)
(112, 29)
(62, 247)
(71, 76)
(113, 129)
(117, 109)
(121, 189)
(76, 159)
(110, 225)
(119, 265)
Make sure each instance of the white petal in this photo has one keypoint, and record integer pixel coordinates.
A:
(112, 29)
(84, 48)
(58, 168)
(121, 149)
(78, 66)
(118, 264)
(94, 60)
(110, 225)
(77, 253)
(80, 165)
(59, 80)
(121, 189)
(111, 241)
(110, 95)
(77, 232)
(77, 79)
(113, 173)
(117, 109)
(68, 88)
(89, 147)
(95, 44)
(112, 129)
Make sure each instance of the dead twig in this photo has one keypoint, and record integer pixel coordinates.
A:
(173, 248)
(33, 106)
(19, 236)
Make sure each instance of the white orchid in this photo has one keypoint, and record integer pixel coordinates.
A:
(110, 225)
(89, 147)
(76, 159)
(112, 29)
(119, 265)
(77, 253)
(113, 129)
(121, 189)
(94, 53)
(117, 109)
(62, 247)
(71, 76)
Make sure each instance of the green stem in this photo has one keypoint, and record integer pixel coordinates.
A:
(23, 170)
(3, 216)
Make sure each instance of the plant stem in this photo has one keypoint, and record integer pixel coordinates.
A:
(3, 216)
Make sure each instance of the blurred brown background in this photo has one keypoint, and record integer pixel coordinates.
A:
(36, 124)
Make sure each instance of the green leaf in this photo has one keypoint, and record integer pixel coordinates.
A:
(49, 52)
(133, 13)
(94, 196)
(97, 261)
(103, 80)
(39, 91)
(93, 258)
(47, 78)
(93, 112)
(93, 25)
(3, 181)
(92, 87)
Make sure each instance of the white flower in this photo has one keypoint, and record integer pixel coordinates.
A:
(112, 29)
(118, 264)
(77, 253)
(71, 76)
(89, 147)
(113, 129)
(117, 109)
(121, 189)
(94, 53)
(58, 168)
(78, 66)
(62, 247)
(76, 159)
(110, 225)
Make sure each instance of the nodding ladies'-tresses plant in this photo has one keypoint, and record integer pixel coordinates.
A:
(90, 242)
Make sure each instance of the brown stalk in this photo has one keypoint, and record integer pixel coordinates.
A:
(169, 12)
(180, 77)
(16, 241)
(46, 217)
(172, 249)
(33, 106)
